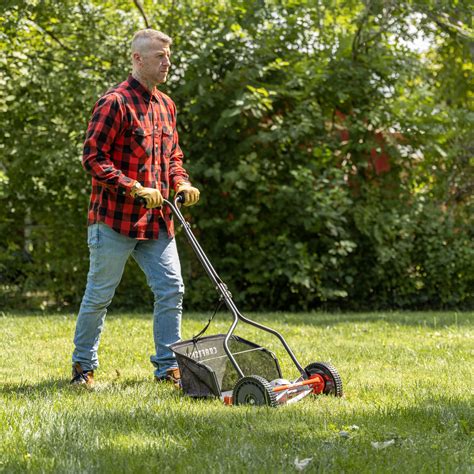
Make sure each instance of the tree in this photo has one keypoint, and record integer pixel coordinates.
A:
(333, 155)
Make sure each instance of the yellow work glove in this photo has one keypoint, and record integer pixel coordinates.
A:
(152, 196)
(191, 194)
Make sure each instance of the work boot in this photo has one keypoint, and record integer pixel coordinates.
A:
(81, 377)
(172, 375)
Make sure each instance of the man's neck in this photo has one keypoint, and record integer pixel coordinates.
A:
(148, 86)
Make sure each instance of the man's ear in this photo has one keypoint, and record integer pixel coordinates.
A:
(137, 58)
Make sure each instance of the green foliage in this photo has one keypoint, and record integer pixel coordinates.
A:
(284, 110)
(414, 255)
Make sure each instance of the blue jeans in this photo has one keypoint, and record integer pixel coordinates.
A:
(109, 251)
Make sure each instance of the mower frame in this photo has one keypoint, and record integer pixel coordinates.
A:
(317, 378)
(226, 295)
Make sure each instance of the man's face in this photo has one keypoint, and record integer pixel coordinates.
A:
(155, 61)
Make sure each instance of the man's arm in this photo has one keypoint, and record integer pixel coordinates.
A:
(103, 128)
(179, 179)
(177, 174)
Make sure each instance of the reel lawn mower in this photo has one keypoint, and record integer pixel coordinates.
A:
(236, 370)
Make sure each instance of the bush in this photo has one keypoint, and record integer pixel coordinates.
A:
(327, 179)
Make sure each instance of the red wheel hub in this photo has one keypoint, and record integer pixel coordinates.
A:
(318, 384)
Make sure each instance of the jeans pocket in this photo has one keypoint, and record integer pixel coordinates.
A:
(93, 236)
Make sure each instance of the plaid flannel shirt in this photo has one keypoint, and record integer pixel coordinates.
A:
(132, 137)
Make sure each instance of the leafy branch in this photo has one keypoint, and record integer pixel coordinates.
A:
(142, 11)
(50, 34)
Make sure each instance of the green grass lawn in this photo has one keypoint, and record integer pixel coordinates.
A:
(407, 406)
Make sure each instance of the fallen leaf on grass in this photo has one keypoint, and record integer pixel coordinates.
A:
(344, 434)
(300, 465)
(382, 444)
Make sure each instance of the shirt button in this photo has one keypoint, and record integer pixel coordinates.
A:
(156, 126)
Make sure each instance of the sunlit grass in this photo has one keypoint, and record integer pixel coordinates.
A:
(407, 378)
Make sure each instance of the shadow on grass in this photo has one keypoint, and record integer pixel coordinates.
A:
(52, 386)
(41, 388)
(258, 439)
(429, 319)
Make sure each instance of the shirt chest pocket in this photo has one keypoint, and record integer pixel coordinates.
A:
(166, 140)
(141, 143)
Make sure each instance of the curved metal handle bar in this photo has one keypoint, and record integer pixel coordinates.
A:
(211, 272)
(194, 243)
(222, 289)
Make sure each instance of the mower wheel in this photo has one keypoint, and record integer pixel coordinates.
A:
(254, 390)
(332, 379)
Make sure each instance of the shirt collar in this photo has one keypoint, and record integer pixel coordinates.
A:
(140, 89)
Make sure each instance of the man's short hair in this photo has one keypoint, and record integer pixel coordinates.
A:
(141, 37)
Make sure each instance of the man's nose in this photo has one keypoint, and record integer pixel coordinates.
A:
(166, 61)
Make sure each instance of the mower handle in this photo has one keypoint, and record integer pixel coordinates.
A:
(179, 199)
(221, 288)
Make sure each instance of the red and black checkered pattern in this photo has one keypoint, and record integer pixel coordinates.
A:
(132, 137)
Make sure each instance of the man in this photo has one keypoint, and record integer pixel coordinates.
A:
(132, 152)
